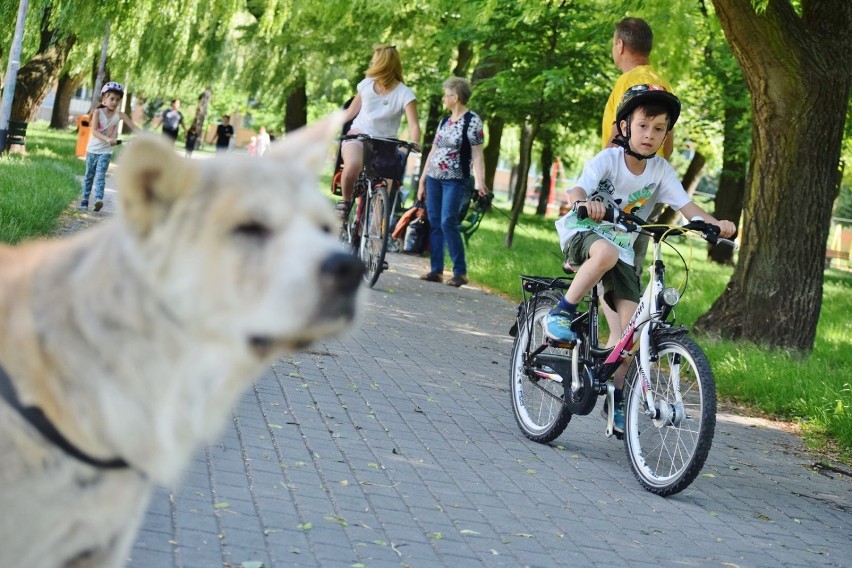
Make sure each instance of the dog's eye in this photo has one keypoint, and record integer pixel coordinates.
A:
(253, 229)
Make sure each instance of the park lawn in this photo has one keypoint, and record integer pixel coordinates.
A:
(813, 391)
(37, 187)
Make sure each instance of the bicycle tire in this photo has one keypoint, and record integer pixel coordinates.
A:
(539, 410)
(374, 234)
(666, 454)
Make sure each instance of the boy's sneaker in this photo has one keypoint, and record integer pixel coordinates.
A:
(558, 327)
(84, 204)
(618, 418)
(99, 205)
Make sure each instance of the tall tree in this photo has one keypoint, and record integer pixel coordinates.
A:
(551, 65)
(798, 67)
(38, 74)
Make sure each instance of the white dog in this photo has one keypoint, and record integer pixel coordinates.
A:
(123, 348)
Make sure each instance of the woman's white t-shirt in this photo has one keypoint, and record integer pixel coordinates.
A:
(606, 178)
(380, 115)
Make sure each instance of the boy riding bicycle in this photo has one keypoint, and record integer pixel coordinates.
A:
(631, 178)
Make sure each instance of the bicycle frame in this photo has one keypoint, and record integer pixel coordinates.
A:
(647, 317)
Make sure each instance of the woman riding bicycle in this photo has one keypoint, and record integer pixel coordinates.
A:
(631, 178)
(377, 109)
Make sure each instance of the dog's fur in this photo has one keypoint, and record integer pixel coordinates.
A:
(136, 337)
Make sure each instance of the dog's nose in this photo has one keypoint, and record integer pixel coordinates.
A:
(344, 271)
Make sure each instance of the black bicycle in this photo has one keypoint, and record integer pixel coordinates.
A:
(669, 390)
(365, 230)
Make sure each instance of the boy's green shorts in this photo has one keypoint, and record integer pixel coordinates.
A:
(620, 282)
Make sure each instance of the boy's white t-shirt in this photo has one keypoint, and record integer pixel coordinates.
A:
(380, 115)
(606, 178)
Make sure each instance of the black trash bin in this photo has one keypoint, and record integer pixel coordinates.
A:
(17, 133)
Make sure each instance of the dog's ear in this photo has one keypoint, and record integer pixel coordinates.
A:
(311, 144)
(150, 178)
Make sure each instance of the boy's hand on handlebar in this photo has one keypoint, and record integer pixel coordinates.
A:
(595, 210)
(726, 229)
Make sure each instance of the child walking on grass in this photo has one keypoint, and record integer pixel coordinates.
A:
(104, 121)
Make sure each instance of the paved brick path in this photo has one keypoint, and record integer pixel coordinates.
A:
(396, 446)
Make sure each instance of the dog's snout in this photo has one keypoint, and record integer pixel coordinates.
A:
(344, 270)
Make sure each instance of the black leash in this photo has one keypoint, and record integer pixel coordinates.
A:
(35, 416)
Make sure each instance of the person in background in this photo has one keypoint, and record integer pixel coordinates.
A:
(224, 133)
(172, 121)
(455, 158)
(191, 140)
(104, 138)
(377, 110)
(632, 42)
(263, 142)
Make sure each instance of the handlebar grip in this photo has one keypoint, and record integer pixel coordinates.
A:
(609, 215)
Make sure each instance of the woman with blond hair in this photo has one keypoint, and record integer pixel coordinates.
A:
(377, 109)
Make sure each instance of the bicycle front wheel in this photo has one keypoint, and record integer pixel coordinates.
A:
(666, 453)
(536, 399)
(374, 236)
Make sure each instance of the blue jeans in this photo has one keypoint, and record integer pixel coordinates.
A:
(444, 198)
(96, 168)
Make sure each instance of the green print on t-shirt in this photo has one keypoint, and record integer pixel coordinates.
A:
(638, 198)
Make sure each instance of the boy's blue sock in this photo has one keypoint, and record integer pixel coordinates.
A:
(564, 306)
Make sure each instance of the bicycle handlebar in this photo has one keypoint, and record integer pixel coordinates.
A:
(631, 223)
(400, 143)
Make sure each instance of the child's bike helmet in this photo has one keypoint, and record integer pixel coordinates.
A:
(112, 86)
(643, 95)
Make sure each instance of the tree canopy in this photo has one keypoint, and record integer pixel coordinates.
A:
(747, 72)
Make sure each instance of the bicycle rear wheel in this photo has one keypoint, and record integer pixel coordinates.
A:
(537, 400)
(374, 235)
(667, 453)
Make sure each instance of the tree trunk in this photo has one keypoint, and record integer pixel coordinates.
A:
(432, 119)
(64, 92)
(799, 72)
(296, 113)
(201, 109)
(465, 56)
(546, 166)
(128, 110)
(485, 69)
(491, 152)
(729, 197)
(528, 132)
(690, 182)
(38, 74)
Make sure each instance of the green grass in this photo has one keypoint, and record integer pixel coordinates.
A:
(814, 391)
(36, 188)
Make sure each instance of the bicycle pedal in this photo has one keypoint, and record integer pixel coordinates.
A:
(560, 344)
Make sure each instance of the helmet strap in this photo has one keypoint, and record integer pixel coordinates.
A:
(625, 143)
